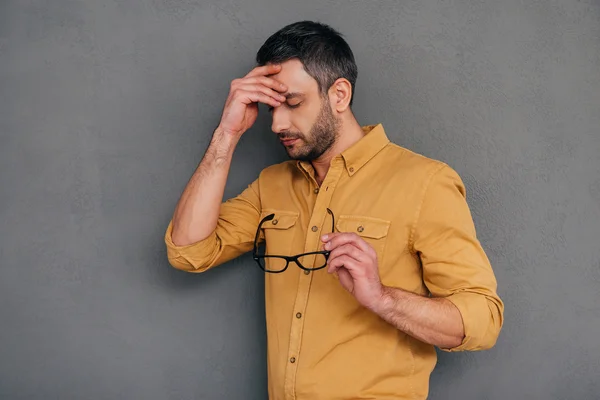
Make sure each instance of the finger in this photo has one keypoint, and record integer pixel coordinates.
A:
(342, 262)
(264, 70)
(263, 80)
(248, 97)
(349, 250)
(338, 239)
(263, 89)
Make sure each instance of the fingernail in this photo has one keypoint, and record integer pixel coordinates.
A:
(324, 237)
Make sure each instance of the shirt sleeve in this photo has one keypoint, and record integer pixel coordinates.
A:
(233, 235)
(454, 263)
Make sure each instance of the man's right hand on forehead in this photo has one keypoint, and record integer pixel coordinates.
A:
(241, 107)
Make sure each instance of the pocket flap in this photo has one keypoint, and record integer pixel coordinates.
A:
(370, 227)
(281, 220)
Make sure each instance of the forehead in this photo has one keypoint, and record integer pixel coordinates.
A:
(295, 77)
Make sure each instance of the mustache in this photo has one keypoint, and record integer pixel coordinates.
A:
(288, 136)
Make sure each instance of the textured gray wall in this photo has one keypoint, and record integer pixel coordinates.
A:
(106, 108)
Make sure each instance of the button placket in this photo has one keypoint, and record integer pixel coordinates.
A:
(312, 241)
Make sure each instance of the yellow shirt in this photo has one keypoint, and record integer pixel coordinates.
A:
(322, 344)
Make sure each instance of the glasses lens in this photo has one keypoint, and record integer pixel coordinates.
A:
(272, 264)
(312, 261)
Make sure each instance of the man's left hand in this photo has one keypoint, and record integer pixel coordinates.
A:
(355, 263)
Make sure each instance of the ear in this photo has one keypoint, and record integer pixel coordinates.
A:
(340, 94)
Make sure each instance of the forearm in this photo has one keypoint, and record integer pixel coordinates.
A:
(197, 212)
(431, 320)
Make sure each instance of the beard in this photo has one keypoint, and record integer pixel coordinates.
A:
(322, 136)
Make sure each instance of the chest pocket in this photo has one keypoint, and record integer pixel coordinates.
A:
(372, 230)
(278, 233)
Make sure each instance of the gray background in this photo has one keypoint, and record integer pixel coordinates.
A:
(106, 107)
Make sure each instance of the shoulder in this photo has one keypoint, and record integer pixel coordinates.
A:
(417, 165)
(426, 174)
(278, 176)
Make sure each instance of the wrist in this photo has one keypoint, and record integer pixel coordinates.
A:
(224, 142)
(383, 301)
(227, 134)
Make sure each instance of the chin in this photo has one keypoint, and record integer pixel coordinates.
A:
(297, 157)
(294, 153)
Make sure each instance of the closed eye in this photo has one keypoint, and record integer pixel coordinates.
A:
(292, 106)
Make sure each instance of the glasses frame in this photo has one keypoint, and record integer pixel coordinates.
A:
(257, 257)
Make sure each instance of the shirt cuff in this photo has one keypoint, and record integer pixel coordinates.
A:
(194, 257)
(477, 321)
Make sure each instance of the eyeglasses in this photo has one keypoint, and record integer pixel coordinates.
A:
(277, 263)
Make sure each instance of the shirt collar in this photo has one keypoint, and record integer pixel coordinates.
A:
(361, 152)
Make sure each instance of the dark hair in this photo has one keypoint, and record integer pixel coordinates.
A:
(324, 53)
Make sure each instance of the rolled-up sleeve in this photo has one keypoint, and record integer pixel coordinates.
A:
(233, 235)
(454, 263)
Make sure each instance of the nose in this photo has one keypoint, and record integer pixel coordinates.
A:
(281, 122)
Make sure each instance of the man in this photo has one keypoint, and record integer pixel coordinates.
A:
(394, 268)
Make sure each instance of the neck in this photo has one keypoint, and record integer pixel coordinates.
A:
(349, 133)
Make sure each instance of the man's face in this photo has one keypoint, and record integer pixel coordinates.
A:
(305, 123)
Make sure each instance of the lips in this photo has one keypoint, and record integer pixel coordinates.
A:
(288, 142)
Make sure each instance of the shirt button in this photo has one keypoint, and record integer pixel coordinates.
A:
(293, 360)
(360, 228)
(351, 169)
(298, 315)
(315, 228)
(316, 190)
(306, 272)
(275, 222)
